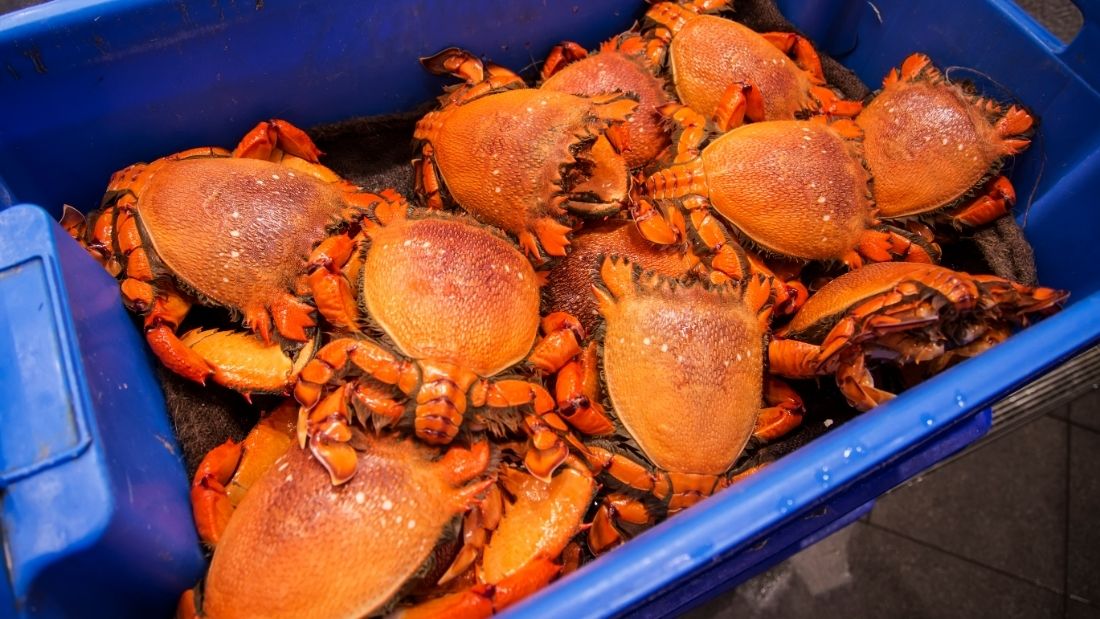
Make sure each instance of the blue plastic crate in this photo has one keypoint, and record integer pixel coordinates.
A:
(94, 500)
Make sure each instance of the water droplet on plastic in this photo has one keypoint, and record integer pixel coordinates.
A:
(960, 401)
(823, 475)
(928, 420)
(786, 506)
(847, 452)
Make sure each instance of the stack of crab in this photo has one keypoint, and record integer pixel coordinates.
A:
(579, 323)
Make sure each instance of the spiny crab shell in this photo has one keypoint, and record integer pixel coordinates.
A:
(521, 159)
(681, 360)
(928, 142)
(414, 268)
(569, 281)
(711, 52)
(458, 304)
(616, 69)
(296, 546)
(793, 188)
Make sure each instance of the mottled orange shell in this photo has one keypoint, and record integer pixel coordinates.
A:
(827, 305)
(569, 283)
(212, 222)
(614, 71)
(710, 53)
(795, 188)
(501, 156)
(927, 144)
(683, 368)
(299, 547)
(449, 289)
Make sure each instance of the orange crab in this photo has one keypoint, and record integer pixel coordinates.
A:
(929, 144)
(529, 524)
(723, 69)
(681, 364)
(458, 305)
(197, 226)
(902, 314)
(297, 546)
(793, 189)
(521, 159)
(620, 66)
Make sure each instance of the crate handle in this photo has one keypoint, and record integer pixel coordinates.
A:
(45, 414)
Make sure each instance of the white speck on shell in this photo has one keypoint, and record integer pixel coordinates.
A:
(234, 233)
(274, 177)
(647, 341)
(387, 505)
(225, 280)
(497, 189)
(234, 254)
(360, 498)
(960, 146)
(821, 199)
(826, 217)
(945, 141)
(259, 182)
(412, 523)
(235, 215)
(807, 138)
(664, 347)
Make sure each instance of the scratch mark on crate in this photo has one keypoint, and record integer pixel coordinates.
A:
(36, 57)
(101, 44)
(166, 443)
(182, 6)
(12, 71)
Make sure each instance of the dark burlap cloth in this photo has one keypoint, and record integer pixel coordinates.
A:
(376, 153)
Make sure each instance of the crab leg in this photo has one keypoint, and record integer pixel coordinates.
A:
(783, 414)
(995, 200)
(650, 49)
(546, 450)
(426, 175)
(603, 535)
(804, 54)
(269, 139)
(1011, 128)
(857, 384)
(480, 78)
(741, 100)
(691, 135)
(561, 56)
(562, 334)
(228, 470)
(673, 15)
(161, 322)
(577, 394)
(887, 244)
(662, 228)
(324, 423)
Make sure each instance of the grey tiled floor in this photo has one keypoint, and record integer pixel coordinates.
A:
(1006, 531)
